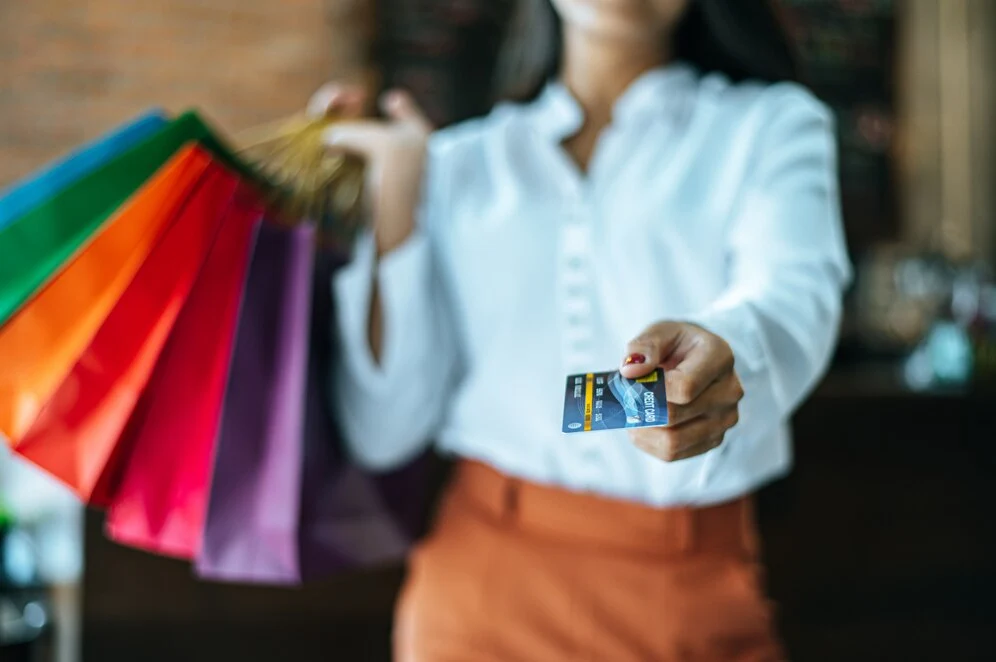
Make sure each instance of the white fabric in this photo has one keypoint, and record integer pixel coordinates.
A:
(704, 201)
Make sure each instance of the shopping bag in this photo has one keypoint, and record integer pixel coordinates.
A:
(161, 502)
(350, 518)
(24, 196)
(286, 506)
(76, 436)
(35, 246)
(40, 344)
(254, 506)
(134, 403)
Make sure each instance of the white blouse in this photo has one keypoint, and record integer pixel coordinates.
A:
(704, 201)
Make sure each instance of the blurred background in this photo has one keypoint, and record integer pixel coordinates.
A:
(882, 543)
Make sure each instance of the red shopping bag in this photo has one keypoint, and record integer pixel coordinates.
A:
(161, 502)
(76, 436)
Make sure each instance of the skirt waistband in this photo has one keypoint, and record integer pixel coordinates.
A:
(595, 521)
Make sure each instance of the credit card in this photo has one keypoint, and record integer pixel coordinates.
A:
(608, 401)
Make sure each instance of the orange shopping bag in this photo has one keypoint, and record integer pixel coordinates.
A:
(41, 343)
(161, 502)
(76, 435)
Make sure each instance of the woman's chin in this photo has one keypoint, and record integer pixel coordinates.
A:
(620, 19)
(610, 23)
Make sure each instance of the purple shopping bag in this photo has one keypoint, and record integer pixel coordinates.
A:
(350, 518)
(285, 504)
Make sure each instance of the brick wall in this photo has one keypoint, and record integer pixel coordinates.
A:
(70, 70)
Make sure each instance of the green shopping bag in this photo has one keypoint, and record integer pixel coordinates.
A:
(39, 243)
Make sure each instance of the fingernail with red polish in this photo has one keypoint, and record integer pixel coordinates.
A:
(635, 359)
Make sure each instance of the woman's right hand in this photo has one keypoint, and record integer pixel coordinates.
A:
(393, 149)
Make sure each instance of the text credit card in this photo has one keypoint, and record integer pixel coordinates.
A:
(608, 401)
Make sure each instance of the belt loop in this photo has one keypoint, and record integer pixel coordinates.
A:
(510, 507)
(749, 542)
(686, 531)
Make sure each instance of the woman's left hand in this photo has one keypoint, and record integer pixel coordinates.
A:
(703, 391)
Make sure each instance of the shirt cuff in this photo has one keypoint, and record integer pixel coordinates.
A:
(403, 278)
(736, 324)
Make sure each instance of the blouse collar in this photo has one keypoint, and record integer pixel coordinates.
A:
(659, 92)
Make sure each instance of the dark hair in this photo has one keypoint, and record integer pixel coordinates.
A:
(743, 39)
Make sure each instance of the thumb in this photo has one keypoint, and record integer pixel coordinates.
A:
(651, 349)
(400, 106)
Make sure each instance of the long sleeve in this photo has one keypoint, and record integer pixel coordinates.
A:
(788, 263)
(389, 411)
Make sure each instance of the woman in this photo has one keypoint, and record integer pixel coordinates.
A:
(666, 199)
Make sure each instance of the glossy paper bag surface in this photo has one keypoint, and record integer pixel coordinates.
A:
(40, 344)
(254, 509)
(161, 502)
(76, 436)
(28, 194)
(43, 241)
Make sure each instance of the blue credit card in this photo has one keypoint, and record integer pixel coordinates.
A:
(608, 401)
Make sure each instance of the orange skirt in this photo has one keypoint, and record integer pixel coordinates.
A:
(518, 572)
